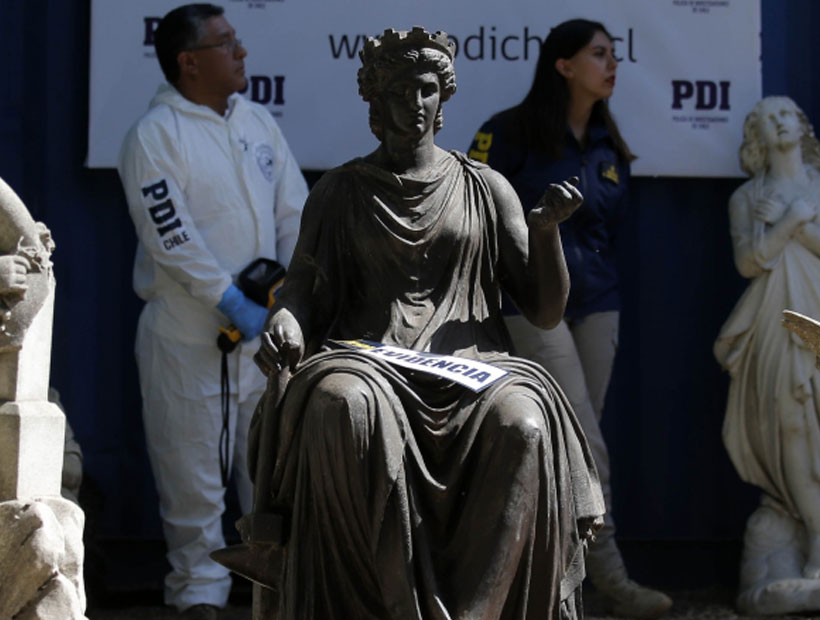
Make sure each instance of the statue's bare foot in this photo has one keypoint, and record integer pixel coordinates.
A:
(812, 568)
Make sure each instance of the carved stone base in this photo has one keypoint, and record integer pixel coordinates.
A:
(771, 569)
(32, 442)
(41, 560)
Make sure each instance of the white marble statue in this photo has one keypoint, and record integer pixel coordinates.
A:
(41, 548)
(772, 424)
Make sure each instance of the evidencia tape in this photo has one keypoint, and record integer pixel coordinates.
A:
(472, 374)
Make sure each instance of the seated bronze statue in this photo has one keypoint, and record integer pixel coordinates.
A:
(408, 495)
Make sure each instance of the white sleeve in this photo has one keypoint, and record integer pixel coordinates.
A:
(291, 193)
(153, 174)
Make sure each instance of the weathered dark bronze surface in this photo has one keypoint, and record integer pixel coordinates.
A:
(409, 496)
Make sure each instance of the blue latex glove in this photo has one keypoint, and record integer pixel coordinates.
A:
(248, 317)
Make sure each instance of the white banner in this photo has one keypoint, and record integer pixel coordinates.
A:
(689, 72)
(472, 374)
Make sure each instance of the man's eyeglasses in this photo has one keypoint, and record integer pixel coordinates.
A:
(229, 45)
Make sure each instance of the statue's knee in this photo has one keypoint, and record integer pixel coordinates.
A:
(517, 417)
(338, 408)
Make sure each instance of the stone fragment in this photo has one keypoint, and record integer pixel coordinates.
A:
(57, 599)
(41, 559)
(31, 549)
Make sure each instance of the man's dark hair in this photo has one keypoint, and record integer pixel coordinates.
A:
(179, 30)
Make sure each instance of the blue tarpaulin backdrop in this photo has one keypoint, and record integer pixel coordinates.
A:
(677, 499)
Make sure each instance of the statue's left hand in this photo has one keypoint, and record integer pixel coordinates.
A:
(282, 344)
(557, 204)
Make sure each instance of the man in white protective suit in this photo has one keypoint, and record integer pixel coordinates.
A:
(211, 185)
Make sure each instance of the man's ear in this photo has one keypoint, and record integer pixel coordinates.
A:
(188, 65)
(564, 67)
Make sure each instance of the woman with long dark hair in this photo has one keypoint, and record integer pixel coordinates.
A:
(563, 128)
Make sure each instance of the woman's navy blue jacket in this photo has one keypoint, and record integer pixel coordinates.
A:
(589, 235)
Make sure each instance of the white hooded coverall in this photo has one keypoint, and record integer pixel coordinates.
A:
(208, 195)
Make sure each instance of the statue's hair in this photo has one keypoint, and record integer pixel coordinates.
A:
(381, 61)
(754, 153)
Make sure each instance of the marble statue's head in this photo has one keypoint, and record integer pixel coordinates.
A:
(385, 56)
(759, 137)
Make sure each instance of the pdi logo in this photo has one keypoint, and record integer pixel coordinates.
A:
(707, 95)
(150, 24)
(265, 90)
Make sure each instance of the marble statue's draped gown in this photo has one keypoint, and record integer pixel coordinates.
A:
(772, 371)
(426, 500)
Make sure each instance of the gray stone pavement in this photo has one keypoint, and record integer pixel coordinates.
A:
(147, 612)
(708, 604)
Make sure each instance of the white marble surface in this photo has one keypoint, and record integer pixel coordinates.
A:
(41, 559)
(31, 449)
(41, 545)
(772, 424)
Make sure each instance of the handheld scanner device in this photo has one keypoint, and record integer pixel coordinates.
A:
(260, 282)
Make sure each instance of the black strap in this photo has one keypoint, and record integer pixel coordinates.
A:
(225, 434)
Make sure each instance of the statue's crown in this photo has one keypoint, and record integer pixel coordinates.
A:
(392, 40)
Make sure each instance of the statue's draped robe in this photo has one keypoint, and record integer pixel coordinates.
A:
(773, 373)
(431, 511)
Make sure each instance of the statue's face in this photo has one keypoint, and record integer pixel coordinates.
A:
(412, 101)
(779, 124)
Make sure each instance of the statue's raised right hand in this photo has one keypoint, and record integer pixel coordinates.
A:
(557, 204)
(282, 344)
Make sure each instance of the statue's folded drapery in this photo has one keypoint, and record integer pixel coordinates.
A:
(412, 497)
